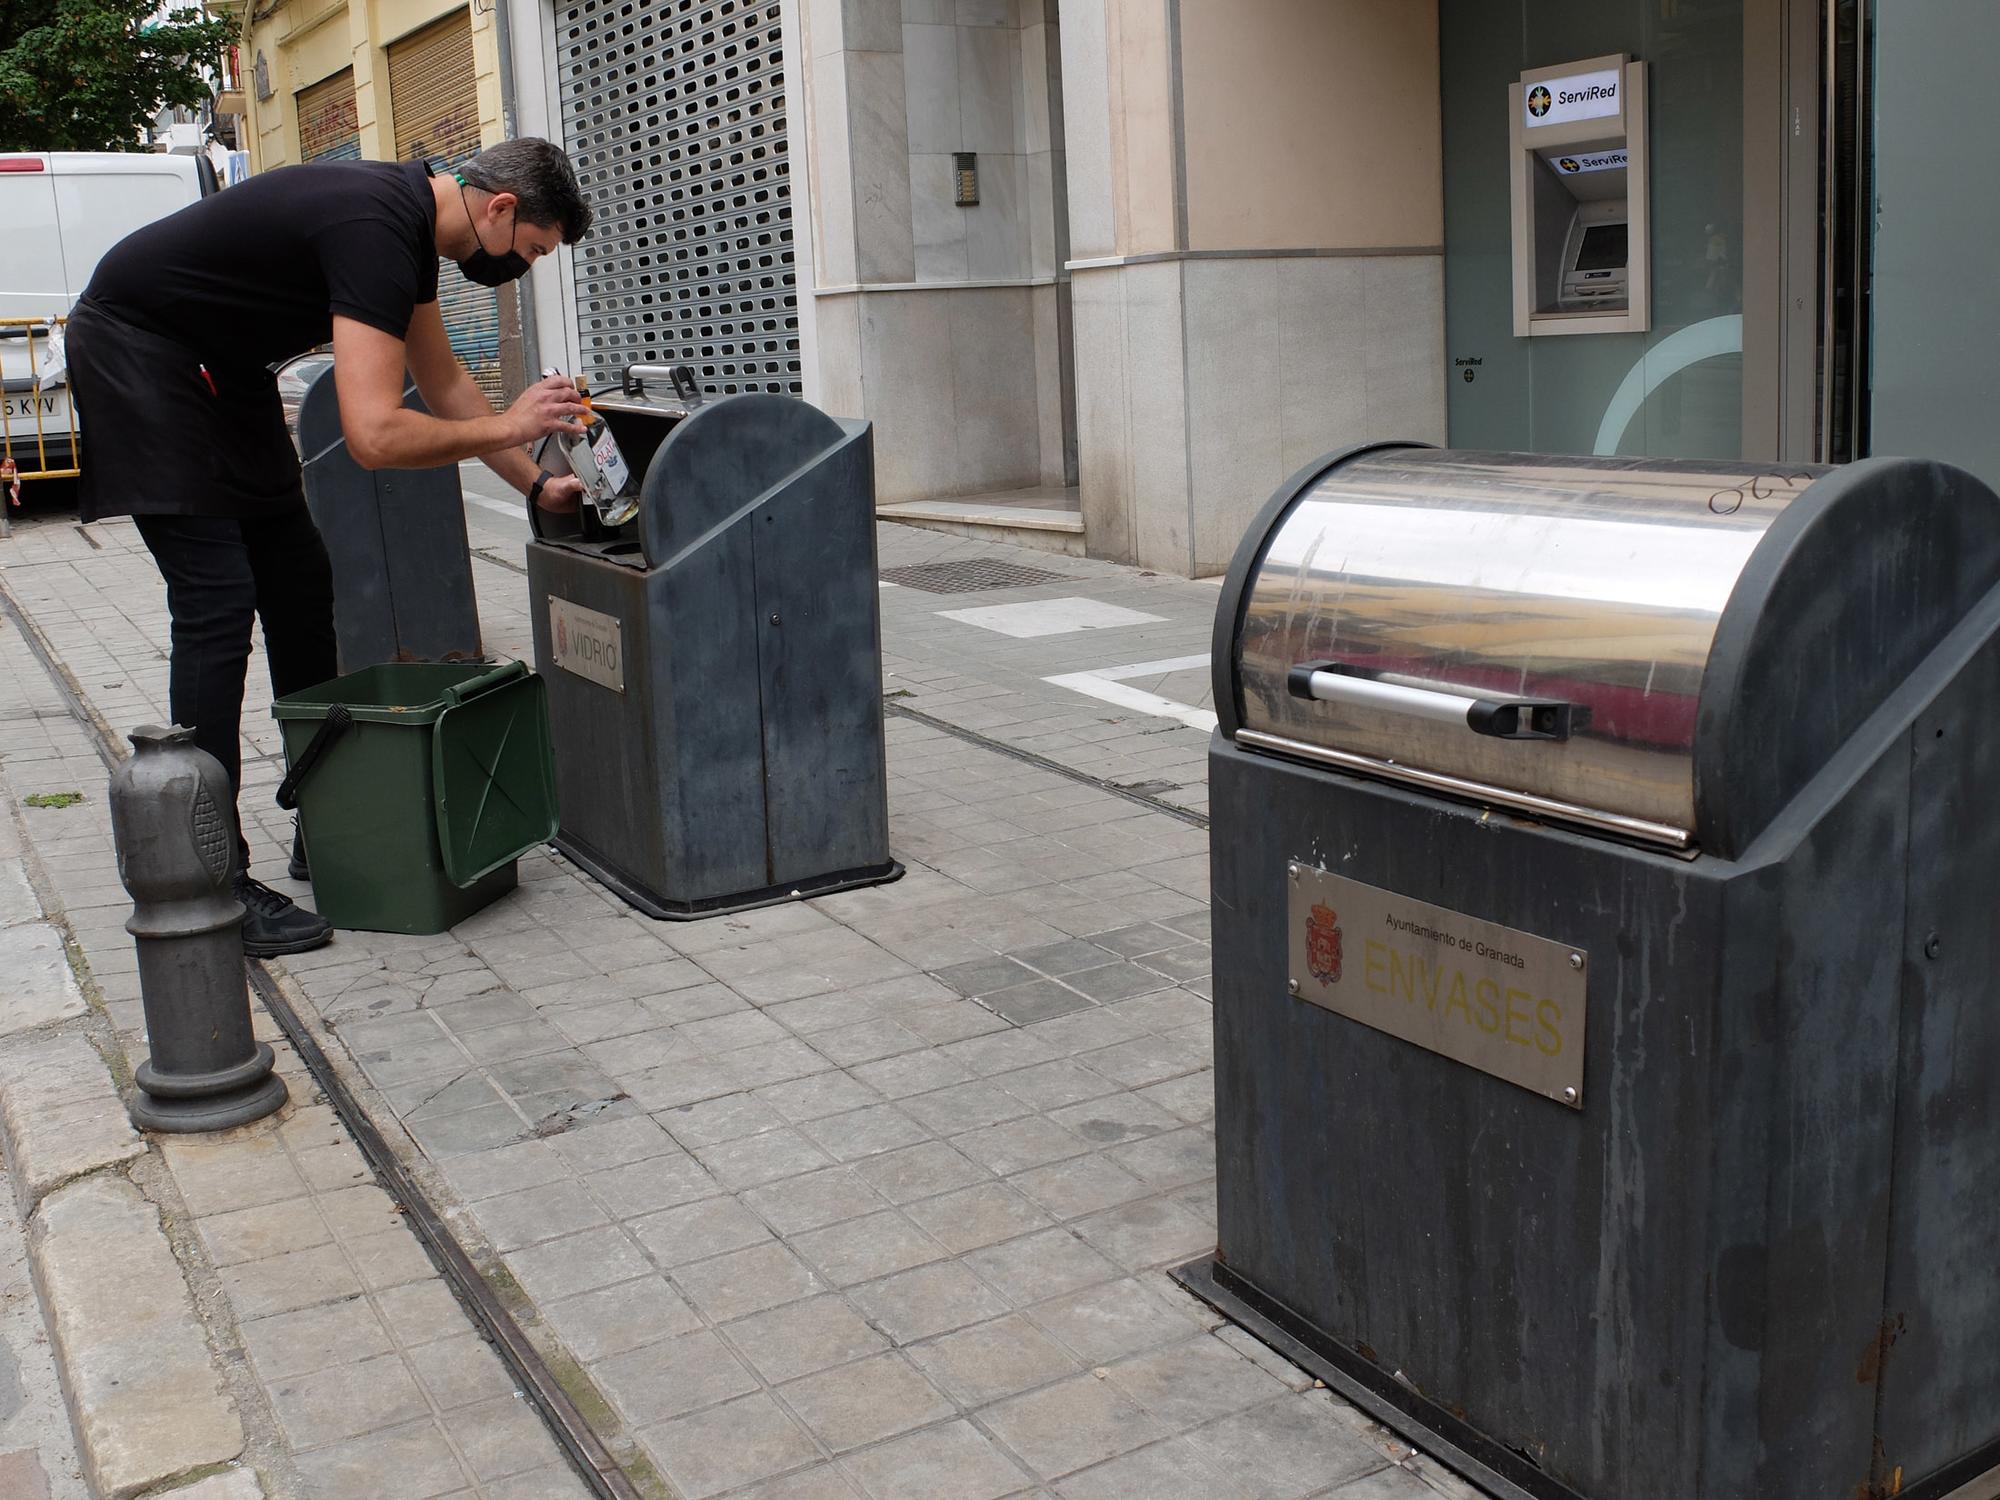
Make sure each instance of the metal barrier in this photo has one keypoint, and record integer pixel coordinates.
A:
(23, 391)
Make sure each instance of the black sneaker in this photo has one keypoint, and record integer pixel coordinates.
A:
(275, 924)
(298, 869)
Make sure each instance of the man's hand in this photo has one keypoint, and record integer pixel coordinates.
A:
(561, 494)
(551, 404)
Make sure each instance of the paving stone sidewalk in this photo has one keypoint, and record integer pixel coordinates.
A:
(311, 1298)
(865, 1196)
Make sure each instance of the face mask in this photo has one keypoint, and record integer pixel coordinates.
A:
(484, 267)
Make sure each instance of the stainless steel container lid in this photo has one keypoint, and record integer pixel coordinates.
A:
(1542, 633)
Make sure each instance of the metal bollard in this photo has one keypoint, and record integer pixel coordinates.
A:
(170, 817)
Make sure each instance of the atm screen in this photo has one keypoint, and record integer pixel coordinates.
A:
(1603, 248)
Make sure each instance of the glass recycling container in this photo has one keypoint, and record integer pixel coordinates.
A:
(714, 662)
(1605, 1016)
(395, 538)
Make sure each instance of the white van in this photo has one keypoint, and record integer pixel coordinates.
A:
(62, 210)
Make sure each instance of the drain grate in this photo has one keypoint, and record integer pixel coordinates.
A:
(971, 576)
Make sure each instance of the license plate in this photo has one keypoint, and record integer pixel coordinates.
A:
(52, 405)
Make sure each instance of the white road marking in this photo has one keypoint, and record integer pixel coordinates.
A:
(1149, 668)
(1039, 617)
(1108, 685)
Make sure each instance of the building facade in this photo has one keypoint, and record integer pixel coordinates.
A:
(1137, 260)
(389, 80)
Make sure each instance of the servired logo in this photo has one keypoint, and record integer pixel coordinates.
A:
(1539, 101)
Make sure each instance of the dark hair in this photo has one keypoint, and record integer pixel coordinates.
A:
(540, 176)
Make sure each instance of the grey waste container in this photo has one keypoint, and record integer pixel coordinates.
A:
(402, 568)
(1606, 1032)
(714, 665)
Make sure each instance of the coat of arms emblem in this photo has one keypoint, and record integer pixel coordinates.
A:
(1323, 944)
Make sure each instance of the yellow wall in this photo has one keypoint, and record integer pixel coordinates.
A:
(305, 41)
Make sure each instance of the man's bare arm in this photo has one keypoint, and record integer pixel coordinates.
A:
(451, 392)
(382, 433)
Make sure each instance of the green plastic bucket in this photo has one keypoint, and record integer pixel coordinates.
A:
(418, 786)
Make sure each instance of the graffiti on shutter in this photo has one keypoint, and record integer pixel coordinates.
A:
(674, 113)
(434, 107)
(327, 124)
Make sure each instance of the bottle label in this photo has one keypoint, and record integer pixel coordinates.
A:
(610, 464)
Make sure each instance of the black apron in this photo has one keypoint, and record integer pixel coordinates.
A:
(161, 434)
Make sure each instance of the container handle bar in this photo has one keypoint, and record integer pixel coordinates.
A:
(1498, 718)
(336, 723)
(682, 378)
(485, 682)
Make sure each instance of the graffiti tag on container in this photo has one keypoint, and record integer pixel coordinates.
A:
(1759, 487)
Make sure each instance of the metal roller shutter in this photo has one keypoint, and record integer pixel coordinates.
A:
(674, 113)
(327, 122)
(434, 111)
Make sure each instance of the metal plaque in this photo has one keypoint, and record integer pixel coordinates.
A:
(1502, 1001)
(587, 643)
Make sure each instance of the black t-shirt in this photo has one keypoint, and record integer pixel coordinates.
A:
(255, 273)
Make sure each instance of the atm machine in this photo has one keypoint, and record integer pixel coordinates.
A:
(1579, 196)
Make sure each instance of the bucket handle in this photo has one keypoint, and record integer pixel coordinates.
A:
(336, 723)
(485, 682)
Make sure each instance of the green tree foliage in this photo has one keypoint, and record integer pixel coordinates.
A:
(90, 75)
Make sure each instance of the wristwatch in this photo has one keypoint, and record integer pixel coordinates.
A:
(535, 489)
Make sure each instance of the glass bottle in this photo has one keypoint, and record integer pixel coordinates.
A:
(608, 483)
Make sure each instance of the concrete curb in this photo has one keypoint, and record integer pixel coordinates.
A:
(237, 1484)
(60, 1116)
(17, 897)
(40, 987)
(148, 1400)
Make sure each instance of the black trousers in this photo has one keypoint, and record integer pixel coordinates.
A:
(222, 573)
